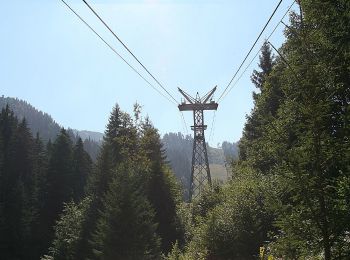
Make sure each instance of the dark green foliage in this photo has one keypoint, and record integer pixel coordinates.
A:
(17, 185)
(42, 123)
(40, 164)
(60, 176)
(132, 214)
(20, 189)
(266, 104)
(68, 170)
(38, 182)
(266, 64)
(126, 227)
(33, 186)
(101, 178)
(82, 168)
(162, 189)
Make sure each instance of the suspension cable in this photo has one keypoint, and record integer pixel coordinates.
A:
(115, 52)
(126, 47)
(262, 31)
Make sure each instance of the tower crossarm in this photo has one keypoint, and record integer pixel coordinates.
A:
(198, 106)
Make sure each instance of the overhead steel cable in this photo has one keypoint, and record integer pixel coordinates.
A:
(251, 61)
(126, 47)
(184, 122)
(121, 57)
(211, 135)
(256, 54)
(262, 31)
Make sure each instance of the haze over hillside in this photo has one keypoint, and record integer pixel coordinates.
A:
(48, 129)
(177, 146)
(41, 122)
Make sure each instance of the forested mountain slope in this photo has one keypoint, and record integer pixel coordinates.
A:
(48, 129)
(38, 121)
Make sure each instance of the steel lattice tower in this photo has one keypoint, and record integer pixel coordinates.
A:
(200, 172)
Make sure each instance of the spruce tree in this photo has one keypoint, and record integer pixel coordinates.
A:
(23, 148)
(266, 63)
(82, 165)
(38, 241)
(162, 189)
(119, 144)
(60, 177)
(126, 227)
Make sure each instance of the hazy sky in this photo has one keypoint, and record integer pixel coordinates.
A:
(52, 60)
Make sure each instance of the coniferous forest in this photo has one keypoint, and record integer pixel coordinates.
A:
(288, 192)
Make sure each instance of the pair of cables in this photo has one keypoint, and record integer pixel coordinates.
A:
(230, 86)
(167, 95)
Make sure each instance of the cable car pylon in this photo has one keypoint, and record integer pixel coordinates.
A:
(200, 172)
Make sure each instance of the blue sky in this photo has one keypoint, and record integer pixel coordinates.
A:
(52, 60)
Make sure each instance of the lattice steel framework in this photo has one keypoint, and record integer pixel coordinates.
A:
(200, 172)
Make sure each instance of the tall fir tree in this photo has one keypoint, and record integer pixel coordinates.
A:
(162, 189)
(119, 144)
(82, 167)
(266, 63)
(38, 241)
(126, 227)
(60, 177)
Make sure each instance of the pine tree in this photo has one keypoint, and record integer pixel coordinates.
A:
(23, 146)
(119, 144)
(82, 168)
(40, 166)
(162, 189)
(60, 177)
(120, 141)
(266, 63)
(126, 227)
